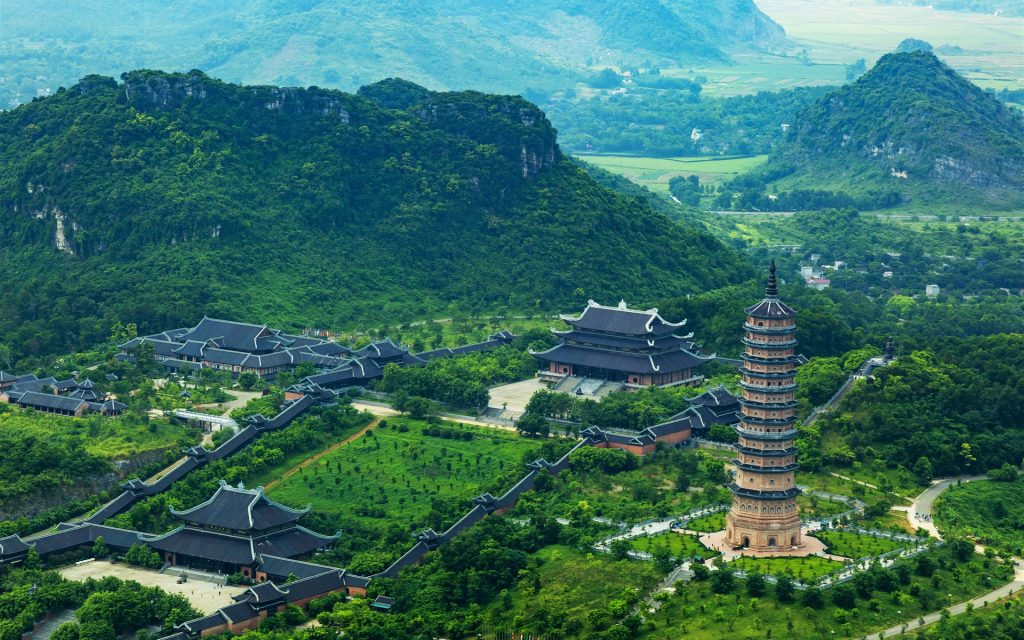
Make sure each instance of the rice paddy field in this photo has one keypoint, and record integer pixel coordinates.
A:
(839, 32)
(655, 173)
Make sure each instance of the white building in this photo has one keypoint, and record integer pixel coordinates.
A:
(932, 290)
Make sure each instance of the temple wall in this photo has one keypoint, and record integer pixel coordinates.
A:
(675, 438)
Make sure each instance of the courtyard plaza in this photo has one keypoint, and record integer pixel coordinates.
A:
(205, 596)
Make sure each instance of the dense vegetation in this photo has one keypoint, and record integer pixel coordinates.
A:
(662, 123)
(947, 409)
(992, 512)
(467, 43)
(911, 126)
(147, 200)
(105, 608)
(976, 258)
(463, 381)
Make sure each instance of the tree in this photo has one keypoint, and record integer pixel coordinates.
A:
(844, 596)
(1005, 473)
(784, 589)
(620, 549)
(721, 581)
(755, 584)
(812, 598)
(66, 631)
(533, 425)
(923, 469)
(99, 547)
(700, 572)
(419, 408)
(247, 380)
(663, 559)
(961, 549)
(606, 79)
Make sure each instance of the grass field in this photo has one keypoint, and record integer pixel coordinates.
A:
(708, 524)
(679, 545)
(992, 512)
(393, 475)
(857, 545)
(804, 569)
(655, 173)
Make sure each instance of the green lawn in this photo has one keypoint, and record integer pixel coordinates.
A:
(655, 173)
(679, 545)
(992, 512)
(393, 475)
(695, 613)
(803, 569)
(857, 545)
(816, 507)
(707, 524)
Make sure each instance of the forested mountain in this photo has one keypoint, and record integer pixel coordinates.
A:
(488, 45)
(168, 196)
(911, 129)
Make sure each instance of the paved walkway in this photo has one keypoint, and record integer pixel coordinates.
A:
(204, 596)
(920, 516)
(955, 610)
(920, 511)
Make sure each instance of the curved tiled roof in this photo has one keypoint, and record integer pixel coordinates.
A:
(240, 510)
(621, 319)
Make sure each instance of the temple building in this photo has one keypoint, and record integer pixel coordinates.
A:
(61, 397)
(764, 513)
(236, 347)
(230, 532)
(622, 345)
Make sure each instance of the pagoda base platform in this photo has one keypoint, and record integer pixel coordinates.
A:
(809, 547)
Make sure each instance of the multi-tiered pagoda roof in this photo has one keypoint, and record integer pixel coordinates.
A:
(623, 343)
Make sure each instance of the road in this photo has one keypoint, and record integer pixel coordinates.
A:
(920, 512)
(920, 515)
(955, 610)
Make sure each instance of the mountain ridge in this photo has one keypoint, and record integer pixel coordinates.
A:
(169, 196)
(489, 45)
(911, 129)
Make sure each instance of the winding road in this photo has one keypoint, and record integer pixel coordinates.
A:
(920, 516)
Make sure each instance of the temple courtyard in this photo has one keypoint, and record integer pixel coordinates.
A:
(810, 547)
(206, 597)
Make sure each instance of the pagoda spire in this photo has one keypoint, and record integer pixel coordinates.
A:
(772, 290)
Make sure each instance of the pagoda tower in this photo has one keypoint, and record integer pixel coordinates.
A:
(764, 514)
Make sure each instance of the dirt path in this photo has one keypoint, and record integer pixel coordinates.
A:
(312, 459)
